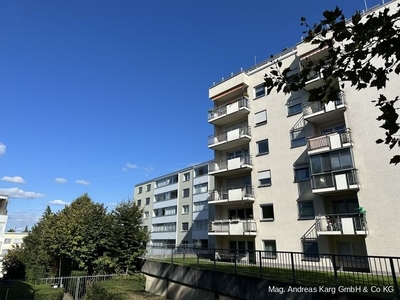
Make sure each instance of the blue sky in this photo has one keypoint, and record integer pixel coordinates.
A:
(97, 96)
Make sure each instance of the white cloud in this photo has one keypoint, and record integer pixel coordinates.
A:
(59, 202)
(19, 193)
(17, 220)
(60, 180)
(2, 149)
(129, 166)
(15, 179)
(83, 182)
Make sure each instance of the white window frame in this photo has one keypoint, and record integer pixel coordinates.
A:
(270, 246)
(260, 118)
(294, 103)
(264, 175)
(187, 224)
(259, 91)
(186, 176)
(298, 173)
(298, 137)
(185, 209)
(302, 216)
(184, 195)
(258, 147)
(267, 218)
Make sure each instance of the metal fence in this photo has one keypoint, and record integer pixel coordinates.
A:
(76, 287)
(344, 273)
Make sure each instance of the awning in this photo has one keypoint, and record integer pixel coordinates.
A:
(228, 92)
(312, 52)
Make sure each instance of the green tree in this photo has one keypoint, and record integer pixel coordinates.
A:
(13, 263)
(128, 238)
(364, 52)
(78, 233)
(39, 262)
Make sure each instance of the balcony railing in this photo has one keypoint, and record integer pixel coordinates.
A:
(340, 180)
(230, 164)
(230, 135)
(329, 141)
(317, 107)
(228, 108)
(233, 227)
(232, 194)
(341, 224)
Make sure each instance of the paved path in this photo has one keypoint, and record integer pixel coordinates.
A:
(67, 297)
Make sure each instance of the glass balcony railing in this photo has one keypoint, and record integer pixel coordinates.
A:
(233, 227)
(232, 194)
(230, 164)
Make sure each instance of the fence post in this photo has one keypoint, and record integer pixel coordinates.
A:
(184, 252)
(172, 255)
(335, 270)
(293, 271)
(77, 288)
(198, 257)
(396, 286)
(259, 257)
(234, 257)
(215, 259)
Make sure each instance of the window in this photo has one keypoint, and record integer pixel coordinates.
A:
(146, 228)
(264, 178)
(166, 196)
(200, 188)
(267, 212)
(139, 202)
(167, 181)
(200, 206)
(148, 187)
(169, 227)
(185, 226)
(186, 193)
(199, 225)
(4, 252)
(185, 243)
(260, 118)
(301, 173)
(331, 161)
(147, 201)
(259, 91)
(201, 171)
(185, 209)
(270, 249)
(140, 190)
(310, 250)
(186, 176)
(165, 211)
(7, 241)
(263, 147)
(298, 137)
(17, 240)
(146, 215)
(306, 209)
(294, 106)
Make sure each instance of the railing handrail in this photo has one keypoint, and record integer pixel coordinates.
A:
(243, 157)
(324, 135)
(225, 189)
(243, 102)
(245, 128)
(344, 171)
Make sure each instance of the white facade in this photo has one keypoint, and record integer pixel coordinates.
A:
(175, 206)
(297, 176)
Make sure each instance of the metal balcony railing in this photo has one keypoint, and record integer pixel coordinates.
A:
(223, 136)
(232, 226)
(222, 110)
(325, 140)
(327, 180)
(224, 164)
(232, 193)
(334, 222)
(314, 107)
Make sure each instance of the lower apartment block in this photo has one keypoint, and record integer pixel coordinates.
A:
(176, 207)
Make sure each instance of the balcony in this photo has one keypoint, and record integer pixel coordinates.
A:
(232, 227)
(230, 139)
(334, 181)
(233, 195)
(341, 224)
(231, 87)
(229, 113)
(329, 142)
(230, 167)
(316, 112)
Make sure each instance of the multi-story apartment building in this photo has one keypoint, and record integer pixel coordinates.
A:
(297, 176)
(176, 206)
(3, 223)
